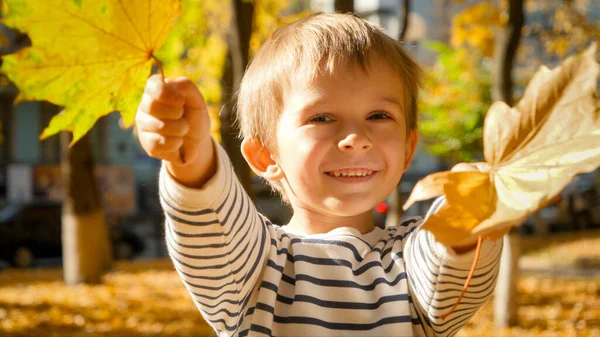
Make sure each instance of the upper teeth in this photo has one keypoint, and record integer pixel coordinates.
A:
(358, 173)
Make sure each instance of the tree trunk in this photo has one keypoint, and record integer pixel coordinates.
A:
(405, 9)
(237, 60)
(442, 16)
(505, 297)
(86, 243)
(395, 212)
(344, 6)
(507, 44)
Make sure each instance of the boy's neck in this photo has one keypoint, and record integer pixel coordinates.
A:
(309, 222)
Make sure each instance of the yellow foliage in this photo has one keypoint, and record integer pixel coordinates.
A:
(92, 57)
(570, 31)
(272, 14)
(197, 49)
(475, 26)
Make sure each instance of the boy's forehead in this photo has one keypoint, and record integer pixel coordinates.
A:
(318, 83)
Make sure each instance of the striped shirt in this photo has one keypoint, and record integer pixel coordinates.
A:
(249, 277)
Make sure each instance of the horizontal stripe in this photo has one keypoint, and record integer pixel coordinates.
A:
(174, 249)
(334, 304)
(198, 235)
(190, 213)
(427, 260)
(318, 261)
(202, 257)
(338, 243)
(333, 325)
(221, 294)
(335, 283)
(189, 222)
(261, 329)
(230, 273)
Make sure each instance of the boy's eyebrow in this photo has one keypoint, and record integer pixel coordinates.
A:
(319, 100)
(313, 101)
(392, 100)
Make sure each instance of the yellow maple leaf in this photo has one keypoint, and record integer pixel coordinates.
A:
(90, 56)
(533, 149)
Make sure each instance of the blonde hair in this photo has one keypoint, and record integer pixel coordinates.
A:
(314, 46)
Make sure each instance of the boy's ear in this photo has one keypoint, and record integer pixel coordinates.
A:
(260, 160)
(410, 147)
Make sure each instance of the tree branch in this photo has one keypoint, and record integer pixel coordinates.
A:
(344, 6)
(405, 9)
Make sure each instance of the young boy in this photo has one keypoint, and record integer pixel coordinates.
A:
(327, 111)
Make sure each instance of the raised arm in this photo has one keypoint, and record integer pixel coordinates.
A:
(216, 238)
(437, 275)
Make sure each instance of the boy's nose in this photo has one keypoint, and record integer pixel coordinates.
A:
(355, 142)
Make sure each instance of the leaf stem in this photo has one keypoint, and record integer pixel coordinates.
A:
(159, 65)
(469, 277)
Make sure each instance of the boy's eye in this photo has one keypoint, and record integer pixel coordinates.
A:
(321, 118)
(379, 115)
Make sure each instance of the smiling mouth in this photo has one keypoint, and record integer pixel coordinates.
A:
(351, 173)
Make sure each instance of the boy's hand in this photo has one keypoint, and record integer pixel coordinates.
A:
(172, 124)
(495, 235)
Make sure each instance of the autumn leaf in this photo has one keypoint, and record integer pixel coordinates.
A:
(534, 150)
(475, 26)
(92, 57)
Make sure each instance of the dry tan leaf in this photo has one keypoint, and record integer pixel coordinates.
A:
(534, 150)
(429, 187)
(557, 105)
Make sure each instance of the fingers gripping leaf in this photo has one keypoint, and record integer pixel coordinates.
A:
(90, 56)
(534, 150)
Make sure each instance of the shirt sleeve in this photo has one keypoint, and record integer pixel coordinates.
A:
(218, 243)
(437, 276)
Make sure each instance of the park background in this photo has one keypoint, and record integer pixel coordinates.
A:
(552, 287)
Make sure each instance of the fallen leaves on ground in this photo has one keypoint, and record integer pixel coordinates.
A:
(136, 299)
(147, 298)
(547, 307)
(577, 249)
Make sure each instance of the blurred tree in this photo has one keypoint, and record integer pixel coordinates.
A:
(87, 251)
(272, 14)
(557, 28)
(404, 11)
(507, 43)
(86, 244)
(453, 103)
(238, 42)
(395, 201)
(457, 100)
(344, 6)
(74, 63)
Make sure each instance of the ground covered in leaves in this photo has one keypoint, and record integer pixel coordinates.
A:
(146, 298)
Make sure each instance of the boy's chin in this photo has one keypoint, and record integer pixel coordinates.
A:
(349, 208)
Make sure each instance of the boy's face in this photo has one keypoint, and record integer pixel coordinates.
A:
(341, 140)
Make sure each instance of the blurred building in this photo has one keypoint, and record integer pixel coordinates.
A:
(30, 167)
